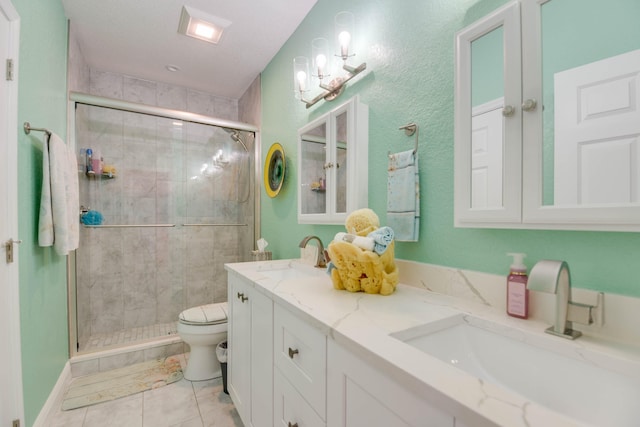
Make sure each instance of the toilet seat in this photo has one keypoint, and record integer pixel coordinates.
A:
(209, 314)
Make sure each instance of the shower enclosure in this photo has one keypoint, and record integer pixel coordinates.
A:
(169, 200)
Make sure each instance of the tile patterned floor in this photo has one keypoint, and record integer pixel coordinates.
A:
(129, 336)
(181, 404)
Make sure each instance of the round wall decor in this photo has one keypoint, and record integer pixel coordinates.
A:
(274, 168)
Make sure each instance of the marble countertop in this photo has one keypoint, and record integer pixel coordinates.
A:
(363, 324)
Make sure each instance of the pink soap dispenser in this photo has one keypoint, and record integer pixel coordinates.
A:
(517, 292)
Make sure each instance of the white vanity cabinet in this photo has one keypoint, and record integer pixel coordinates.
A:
(363, 396)
(333, 164)
(285, 370)
(250, 358)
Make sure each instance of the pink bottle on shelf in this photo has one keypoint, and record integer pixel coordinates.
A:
(517, 292)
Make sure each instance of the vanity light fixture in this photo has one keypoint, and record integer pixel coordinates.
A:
(321, 63)
(200, 25)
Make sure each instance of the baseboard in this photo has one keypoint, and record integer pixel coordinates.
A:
(55, 397)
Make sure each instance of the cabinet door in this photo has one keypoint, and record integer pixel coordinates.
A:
(313, 151)
(261, 360)
(333, 159)
(239, 338)
(358, 395)
(488, 75)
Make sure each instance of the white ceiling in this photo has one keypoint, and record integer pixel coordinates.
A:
(139, 38)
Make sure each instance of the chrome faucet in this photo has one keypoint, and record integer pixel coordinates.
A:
(320, 262)
(553, 277)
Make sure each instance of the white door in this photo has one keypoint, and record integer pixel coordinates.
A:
(487, 131)
(597, 132)
(11, 403)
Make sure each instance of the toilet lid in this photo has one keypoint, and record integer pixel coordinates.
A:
(209, 314)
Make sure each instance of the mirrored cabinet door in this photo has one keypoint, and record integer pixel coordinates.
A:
(488, 119)
(341, 165)
(313, 158)
(333, 165)
(582, 164)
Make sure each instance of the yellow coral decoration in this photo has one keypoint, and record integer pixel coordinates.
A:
(360, 270)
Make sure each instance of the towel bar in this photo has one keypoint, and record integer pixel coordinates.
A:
(214, 225)
(409, 130)
(28, 129)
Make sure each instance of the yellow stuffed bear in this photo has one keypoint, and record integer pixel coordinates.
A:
(355, 268)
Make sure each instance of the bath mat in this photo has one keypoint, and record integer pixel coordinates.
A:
(110, 385)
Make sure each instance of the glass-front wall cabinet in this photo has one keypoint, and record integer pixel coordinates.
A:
(332, 182)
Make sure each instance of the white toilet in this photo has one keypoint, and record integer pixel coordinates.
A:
(203, 328)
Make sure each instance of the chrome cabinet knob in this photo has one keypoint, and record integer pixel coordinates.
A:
(529, 105)
(508, 111)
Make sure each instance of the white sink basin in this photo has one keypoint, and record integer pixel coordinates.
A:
(290, 271)
(559, 375)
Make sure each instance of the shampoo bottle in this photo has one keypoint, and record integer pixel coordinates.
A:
(517, 292)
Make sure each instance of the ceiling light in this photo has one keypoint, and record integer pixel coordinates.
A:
(172, 68)
(200, 25)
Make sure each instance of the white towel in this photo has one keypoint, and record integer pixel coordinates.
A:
(403, 196)
(366, 243)
(59, 201)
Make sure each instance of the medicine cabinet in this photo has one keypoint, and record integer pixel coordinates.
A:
(547, 117)
(333, 164)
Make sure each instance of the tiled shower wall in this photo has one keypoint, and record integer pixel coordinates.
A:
(167, 173)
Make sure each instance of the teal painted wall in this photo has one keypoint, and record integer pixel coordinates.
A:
(409, 52)
(43, 291)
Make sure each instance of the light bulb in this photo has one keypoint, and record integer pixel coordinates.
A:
(344, 38)
(321, 61)
(302, 78)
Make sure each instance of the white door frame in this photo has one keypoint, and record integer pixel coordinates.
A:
(10, 293)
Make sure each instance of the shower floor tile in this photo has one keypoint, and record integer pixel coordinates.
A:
(128, 336)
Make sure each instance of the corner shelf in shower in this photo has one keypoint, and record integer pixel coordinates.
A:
(99, 175)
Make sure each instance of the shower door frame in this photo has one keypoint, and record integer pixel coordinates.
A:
(76, 98)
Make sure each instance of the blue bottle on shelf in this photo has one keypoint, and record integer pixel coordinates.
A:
(88, 163)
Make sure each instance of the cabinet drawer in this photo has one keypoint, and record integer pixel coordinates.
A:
(300, 351)
(290, 409)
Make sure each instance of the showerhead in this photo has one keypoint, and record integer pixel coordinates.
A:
(235, 135)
